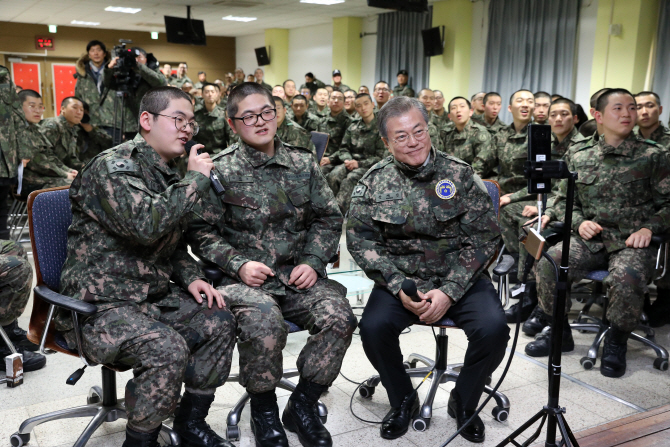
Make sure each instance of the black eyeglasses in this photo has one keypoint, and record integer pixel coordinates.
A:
(181, 124)
(252, 118)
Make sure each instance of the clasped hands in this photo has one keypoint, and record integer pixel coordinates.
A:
(428, 312)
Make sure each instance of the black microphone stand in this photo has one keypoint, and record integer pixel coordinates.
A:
(552, 413)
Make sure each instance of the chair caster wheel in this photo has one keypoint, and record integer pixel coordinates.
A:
(661, 364)
(420, 424)
(586, 362)
(19, 439)
(233, 433)
(366, 392)
(500, 414)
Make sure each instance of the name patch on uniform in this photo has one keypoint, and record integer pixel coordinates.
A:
(120, 165)
(384, 196)
(359, 191)
(241, 179)
(303, 176)
(445, 189)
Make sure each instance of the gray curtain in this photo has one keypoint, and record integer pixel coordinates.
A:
(400, 46)
(531, 44)
(662, 71)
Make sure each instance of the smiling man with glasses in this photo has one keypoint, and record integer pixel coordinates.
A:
(425, 216)
(272, 233)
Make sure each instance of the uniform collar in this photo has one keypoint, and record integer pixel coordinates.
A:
(257, 158)
(658, 134)
(626, 148)
(150, 155)
(423, 172)
(465, 130)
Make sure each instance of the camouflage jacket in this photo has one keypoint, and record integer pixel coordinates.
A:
(43, 162)
(86, 89)
(308, 121)
(478, 118)
(510, 151)
(623, 189)
(323, 114)
(403, 90)
(293, 134)
(361, 142)
(63, 138)
(312, 86)
(12, 148)
(335, 127)
(494, 128)
(434, 133)
(266, 86)
(661, 135)
(92, 143)
(440, 121)
(434, 224)
(465, 144)
(276, 210)
(178, 82)
(342, 87)
(125, 243)
(214, 130)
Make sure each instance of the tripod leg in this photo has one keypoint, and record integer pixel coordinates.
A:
(566, 433)
(510, 439)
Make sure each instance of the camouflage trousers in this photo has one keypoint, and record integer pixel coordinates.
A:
(511, 222)
(191, 345)
(16, 280)
(630, 271)
(343, 182)
(261, 330)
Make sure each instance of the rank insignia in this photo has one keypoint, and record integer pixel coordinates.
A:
(445, 189)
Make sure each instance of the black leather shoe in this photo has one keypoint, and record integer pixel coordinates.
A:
(266, 426)
(190, 425)
(19, 337)
(397, 420)
(300, 417)
(474, 432)
(613, 361)
(536, 322)
(542, 344)
(140, 439)
(32, 361)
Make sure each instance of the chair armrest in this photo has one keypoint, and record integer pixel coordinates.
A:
(65, 302)
(659, 239)
(504, 266)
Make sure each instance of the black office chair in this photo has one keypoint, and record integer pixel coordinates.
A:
(49, 217)
(443, 372)
(320, 140)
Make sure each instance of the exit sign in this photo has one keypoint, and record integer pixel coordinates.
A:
(44, 43)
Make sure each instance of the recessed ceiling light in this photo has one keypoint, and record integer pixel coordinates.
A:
(123, 9)
(53, 28)
(154, 35)
(239, 19)
(322, 2)
(79, 22)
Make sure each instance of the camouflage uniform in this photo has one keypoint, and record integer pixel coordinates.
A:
(92, 143)
(434, 133)
(293, 134)
(266, 86)
(308, 121)
(63, 139)
(342, 87)
(335, 127)
(403, 90)
(87, 90)
(312, 86)
(214, 133)
(478, 118)
(279, 211)
(323, 114)
(124, 246)
(398, 228)
(467, 143)
(178, 82)
(45, 169)
(494, 128)
(622, 189)
(361, 142)
(661, 135)
(16, 280)
(440, 121)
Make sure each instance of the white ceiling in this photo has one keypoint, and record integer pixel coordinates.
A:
(270, 13)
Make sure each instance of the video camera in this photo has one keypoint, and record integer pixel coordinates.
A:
(124, 70)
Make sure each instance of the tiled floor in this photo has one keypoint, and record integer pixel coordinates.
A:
(643, 387)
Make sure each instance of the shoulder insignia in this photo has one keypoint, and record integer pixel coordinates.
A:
(384, 196)
(120, 165)
(481, 136)
(452, 158)
(445, 189)
(359, 191)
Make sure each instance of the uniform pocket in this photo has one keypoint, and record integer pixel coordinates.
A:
(634, 187)
(241, 197)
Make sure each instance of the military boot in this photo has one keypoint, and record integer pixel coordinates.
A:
(541, 346)
(32, 361)
(265, 423)
(19, 337)
(613, 361)
(190, 425)
(659, 311)
(537, 321)
(140, 439)
(300, 415)
(525, 305)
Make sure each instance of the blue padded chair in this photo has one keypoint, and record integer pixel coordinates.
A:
(49, 217)
(320, 140)
(443, 372)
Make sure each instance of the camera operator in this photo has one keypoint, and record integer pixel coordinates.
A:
(137, 75)
(90, 88)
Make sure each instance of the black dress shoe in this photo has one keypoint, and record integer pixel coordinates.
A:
(19, 337)
(32, 361)
(190, 425)
(266, 426)
(525, 305)
(541, 345)
(474, 432)
(396, 422)
(300, 417)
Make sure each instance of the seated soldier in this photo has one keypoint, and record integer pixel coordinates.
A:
(288, 131)
(541, 109)
(124, 247)
(465, 138)
(93, 139)
(426, 216)
(306, 119)
(490, 119)
(214, 132)
(427, 98)
(349, 107)
(336, 123)
(477, 102)
(622, 197)
(16, 281)
(63, 132)
(440, 116)
(272, 233)
(361, 148)
(321, 100)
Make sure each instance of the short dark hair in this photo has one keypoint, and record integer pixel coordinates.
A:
(603, 99)
(424, 89)
(322, 88)
(277, 99)
(458, 97)
(594, 97)
(352, 90)
(201, 73)
(68, 100)
(284, 83)
(242, 91)
(570, 103)
(25, 94)
(299, 98)
(520, 90)
(210, 84)
(588, 128)
(309, 74)
(94, 43)
(490, 94)
(472, 98)
(656, 97)
(363, 95)
(396, 107)
(158, 99)
(542, 94)
(381, 82)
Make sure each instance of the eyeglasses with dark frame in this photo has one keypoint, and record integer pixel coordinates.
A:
(181, 124)
(252, 118)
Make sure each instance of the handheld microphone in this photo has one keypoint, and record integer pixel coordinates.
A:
(216, 184)
(409, 288)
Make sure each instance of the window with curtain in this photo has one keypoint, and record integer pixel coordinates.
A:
(662, 70)
(531, 45)
(400, 46)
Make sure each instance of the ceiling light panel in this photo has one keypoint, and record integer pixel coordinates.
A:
(79, 22)
(123, 9)
(239, 19)
(322, 2)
